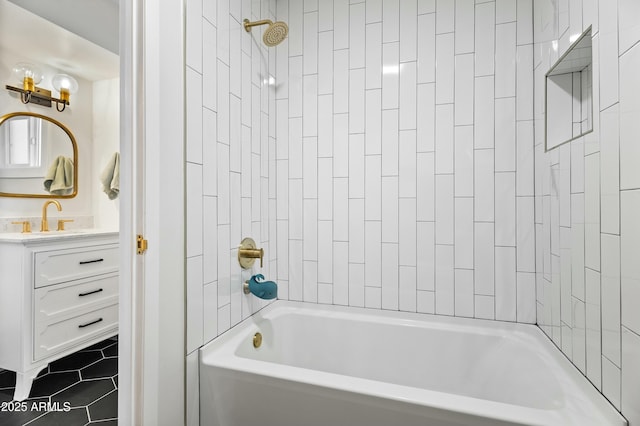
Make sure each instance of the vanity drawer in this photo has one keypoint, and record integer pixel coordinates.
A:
(69, 299)
(58, 336)
(58, 266)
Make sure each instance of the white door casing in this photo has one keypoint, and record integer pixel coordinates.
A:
(152, 289)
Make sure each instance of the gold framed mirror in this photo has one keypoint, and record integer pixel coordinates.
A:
(38, 157)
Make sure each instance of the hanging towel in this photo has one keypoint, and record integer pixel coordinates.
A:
(59, 177)
(110, 177)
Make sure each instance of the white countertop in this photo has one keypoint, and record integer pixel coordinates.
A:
(18, 237)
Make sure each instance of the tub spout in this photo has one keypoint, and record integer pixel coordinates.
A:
(262, 289)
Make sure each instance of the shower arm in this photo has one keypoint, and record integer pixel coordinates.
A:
(248, 24)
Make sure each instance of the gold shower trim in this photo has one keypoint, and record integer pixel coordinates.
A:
(248, 24)
(257, 340)
(275, 33)
(248, 252)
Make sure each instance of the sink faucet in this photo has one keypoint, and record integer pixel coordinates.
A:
(44, 225)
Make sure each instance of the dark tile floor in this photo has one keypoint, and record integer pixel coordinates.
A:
(79, 389)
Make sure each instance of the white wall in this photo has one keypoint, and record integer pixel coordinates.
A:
(405, 156)
(587, 202)
(230, 167)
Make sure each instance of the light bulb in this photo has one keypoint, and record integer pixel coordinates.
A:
(28, 74)
(65, 84)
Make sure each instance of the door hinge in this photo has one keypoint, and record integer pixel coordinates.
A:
(141, 244)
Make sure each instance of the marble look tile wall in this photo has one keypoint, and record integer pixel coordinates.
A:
(384, 157)
(230, 166)
(230, 152)
(405, 156)
(588, 199)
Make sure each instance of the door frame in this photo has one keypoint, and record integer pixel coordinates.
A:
(152, 203)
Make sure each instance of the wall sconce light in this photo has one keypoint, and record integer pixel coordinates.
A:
(65, 85)
(29, 75)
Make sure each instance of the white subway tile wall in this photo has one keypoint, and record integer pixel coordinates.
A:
(587, 202)
(384, 156)
(422, 174)
(231, 161)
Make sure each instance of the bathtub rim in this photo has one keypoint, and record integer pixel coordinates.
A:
(221, 352)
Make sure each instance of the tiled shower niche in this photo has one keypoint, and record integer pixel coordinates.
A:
(569, 94)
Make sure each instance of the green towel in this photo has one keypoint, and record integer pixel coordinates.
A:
(110, 177)
(59, 177)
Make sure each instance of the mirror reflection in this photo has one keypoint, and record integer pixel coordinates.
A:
(38, 157)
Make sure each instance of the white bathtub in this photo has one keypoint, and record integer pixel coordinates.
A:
(334, 366)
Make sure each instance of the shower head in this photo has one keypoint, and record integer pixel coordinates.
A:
(275, 33)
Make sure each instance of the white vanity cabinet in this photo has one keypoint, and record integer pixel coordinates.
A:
(58, 294)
